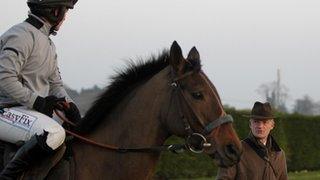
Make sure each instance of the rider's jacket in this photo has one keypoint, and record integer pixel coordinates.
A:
(28, 64)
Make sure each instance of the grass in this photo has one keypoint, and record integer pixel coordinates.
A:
(303, 175)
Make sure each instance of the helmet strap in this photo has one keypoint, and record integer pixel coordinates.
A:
(50, 15)
(61, 13)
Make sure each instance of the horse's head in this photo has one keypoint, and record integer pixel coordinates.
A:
(197, 111)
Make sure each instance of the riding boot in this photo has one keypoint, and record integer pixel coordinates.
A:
(33, 150)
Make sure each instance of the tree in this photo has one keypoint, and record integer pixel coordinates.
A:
(275, 93)
(306, 106)
(317, 108)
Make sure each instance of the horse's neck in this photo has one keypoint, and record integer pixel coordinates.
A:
(134, 123)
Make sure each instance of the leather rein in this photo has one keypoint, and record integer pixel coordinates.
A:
(173, 147)
(176, 148)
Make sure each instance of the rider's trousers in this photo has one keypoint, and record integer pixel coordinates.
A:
(20, 124)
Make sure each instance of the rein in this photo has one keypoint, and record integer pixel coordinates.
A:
(176, 148)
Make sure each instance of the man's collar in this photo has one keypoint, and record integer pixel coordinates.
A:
(270, 145)
(39, 23)
(256, 142)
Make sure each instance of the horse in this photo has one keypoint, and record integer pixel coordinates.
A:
(143, 106)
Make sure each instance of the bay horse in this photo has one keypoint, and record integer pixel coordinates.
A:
(143, 106)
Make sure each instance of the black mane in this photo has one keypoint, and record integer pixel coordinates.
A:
(122, 83)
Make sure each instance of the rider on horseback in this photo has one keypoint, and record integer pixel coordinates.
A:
(31, 86)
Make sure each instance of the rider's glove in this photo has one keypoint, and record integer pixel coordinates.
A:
(72, 112)
(47, 105)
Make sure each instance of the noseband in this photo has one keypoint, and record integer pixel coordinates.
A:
(195, 142)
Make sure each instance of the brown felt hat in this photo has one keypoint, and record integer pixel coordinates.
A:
(261, 111)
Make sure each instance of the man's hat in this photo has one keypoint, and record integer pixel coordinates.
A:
(261, 111)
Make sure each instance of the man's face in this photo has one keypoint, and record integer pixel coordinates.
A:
(61, 22)
(261, 128)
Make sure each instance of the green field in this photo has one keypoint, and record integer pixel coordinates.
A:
(303, 175)
(311, 175)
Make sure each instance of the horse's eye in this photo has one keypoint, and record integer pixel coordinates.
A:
(197, 95)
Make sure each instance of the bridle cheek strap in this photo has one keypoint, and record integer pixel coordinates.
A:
(221, 120)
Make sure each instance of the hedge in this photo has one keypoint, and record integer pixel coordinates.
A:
(298, 135)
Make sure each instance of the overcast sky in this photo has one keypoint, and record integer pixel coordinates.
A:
(241, 43)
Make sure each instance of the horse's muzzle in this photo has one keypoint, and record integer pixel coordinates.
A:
(229, 156)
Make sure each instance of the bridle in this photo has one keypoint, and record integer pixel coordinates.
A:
(194, 141)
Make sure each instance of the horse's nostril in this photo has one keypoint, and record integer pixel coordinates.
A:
(231, 149)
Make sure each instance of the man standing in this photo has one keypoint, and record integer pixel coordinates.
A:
(31, 86)
(262, 158)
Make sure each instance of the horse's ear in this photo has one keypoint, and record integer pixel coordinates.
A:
(194, 56)
(176, 57)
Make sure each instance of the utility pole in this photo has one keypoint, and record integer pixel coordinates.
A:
(278, 89)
